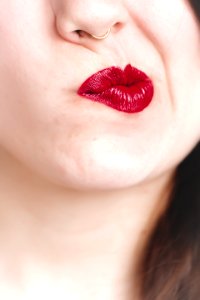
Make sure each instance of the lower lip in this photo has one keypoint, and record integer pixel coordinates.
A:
(130, 98)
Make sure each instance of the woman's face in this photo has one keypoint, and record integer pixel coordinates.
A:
(83, 144)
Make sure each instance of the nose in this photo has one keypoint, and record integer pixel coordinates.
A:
(76, 19)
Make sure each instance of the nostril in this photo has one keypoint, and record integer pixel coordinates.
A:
(80, 33)
(117, 26)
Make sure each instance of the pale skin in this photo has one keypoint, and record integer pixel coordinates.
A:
(82, 185)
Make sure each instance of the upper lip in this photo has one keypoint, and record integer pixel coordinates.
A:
(111, 77)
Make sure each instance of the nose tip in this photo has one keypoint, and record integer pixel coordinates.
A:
(91, 18)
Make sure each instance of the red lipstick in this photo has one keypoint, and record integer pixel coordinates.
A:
(129, 90)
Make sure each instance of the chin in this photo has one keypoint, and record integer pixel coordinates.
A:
(99, 172)
(102, 166)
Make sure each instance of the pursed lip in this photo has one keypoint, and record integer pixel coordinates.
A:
(129, 90)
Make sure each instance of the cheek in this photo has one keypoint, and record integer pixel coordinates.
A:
(23, 64)
(169, 25)
(174, 32)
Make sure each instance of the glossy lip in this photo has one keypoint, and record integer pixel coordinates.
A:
(129, 90)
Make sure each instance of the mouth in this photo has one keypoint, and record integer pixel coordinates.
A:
(129, 90)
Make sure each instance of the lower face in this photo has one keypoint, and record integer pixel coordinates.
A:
(78, 143)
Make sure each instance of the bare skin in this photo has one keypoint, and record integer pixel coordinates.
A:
(82, 245)
(81, 184)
